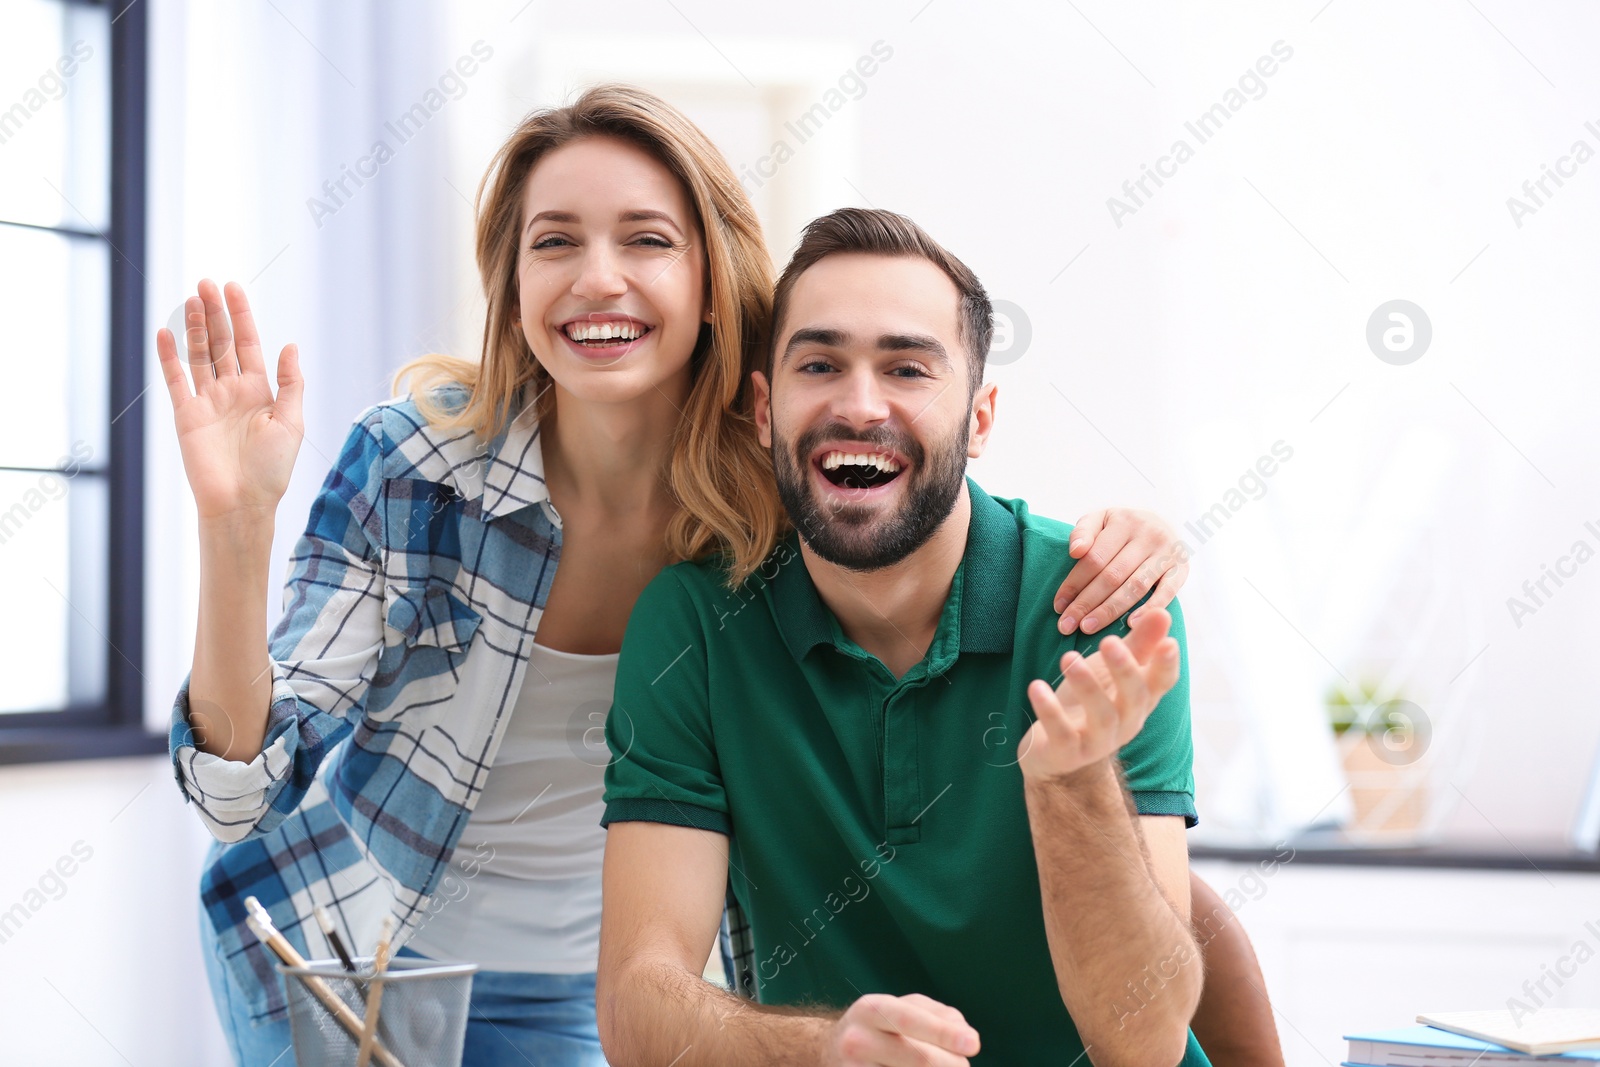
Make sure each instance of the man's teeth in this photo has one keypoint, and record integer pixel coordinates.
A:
(605, 331)
(884, 464)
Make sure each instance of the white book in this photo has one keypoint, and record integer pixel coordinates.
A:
(1429, 1046)
(1543, 1032)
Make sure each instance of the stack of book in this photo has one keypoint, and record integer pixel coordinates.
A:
(1483, 1039)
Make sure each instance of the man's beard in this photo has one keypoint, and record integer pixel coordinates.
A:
(847, 536)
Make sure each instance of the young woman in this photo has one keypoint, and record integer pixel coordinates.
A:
(419, 737)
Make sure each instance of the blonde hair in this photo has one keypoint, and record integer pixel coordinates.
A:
(719, 473)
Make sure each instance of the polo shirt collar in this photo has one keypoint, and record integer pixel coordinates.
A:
(990, 571)
(993, 563)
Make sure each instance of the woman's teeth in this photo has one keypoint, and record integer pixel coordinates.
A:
(602, 332)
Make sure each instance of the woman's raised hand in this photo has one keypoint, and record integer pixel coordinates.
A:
(238, 441)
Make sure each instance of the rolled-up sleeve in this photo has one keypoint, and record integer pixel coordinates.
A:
(324, 653)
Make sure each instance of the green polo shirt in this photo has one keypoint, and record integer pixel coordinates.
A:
(879, 840)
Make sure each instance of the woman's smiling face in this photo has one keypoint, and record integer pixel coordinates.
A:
(611, 272)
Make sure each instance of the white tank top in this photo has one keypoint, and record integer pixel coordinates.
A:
(525, 894)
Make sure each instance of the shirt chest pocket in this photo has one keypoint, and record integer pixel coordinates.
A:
(430, 615)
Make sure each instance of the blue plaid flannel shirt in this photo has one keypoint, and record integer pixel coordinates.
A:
(422, 546)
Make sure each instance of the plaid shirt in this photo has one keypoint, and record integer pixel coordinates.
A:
(414, 595)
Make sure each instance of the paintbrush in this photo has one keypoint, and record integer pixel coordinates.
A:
(261, 925)
(380, 964)
(325, 921)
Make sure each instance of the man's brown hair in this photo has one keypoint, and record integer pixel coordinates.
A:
(883, 233)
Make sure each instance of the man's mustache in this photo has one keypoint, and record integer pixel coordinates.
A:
(882, 437)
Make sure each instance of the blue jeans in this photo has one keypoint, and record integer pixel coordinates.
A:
(515, 1019)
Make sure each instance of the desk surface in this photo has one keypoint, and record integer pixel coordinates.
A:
(1487, 854)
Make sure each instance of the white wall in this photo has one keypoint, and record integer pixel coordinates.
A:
(255, 108)
(1167, 354)
(102, 966)
(1229, 312)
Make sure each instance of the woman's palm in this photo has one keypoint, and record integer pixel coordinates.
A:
(238, 440)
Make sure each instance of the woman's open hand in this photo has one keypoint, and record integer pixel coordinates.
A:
(238, 441)
(1121, 553)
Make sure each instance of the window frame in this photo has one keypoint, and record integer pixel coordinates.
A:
(114, 726)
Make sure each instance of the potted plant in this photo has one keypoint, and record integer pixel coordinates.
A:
(1383, 741)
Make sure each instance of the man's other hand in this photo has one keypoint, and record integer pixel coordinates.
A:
(880, 1030)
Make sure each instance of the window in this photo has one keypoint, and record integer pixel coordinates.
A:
(72, 154)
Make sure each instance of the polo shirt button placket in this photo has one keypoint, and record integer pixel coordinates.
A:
(902, 777)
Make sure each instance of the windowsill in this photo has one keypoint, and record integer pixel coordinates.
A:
(42, 744)
(1496, 854)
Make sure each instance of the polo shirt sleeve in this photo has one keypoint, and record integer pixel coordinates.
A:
(663, 757)
(1159, 763)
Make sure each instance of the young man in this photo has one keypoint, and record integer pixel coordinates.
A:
(955, 838)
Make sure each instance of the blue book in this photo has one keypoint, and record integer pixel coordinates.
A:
(1428, 1046)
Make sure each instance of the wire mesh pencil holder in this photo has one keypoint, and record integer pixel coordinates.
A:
(422, 1017)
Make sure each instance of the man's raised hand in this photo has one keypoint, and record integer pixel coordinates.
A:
(880, 1030)
(1102, 701)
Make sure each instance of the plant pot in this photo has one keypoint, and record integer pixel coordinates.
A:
(1390, 798)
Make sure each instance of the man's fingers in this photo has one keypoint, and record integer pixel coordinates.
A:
(1146, 633)
(918, 1022)
(1048, 707)
(1163, 674)
(1095, 663)
(1140, 682)
(878, 1048)
(1051, 725)
(935, 1006)
(1091, 693)
(1129, 675)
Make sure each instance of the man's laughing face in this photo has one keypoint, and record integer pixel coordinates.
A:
(871, 418)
